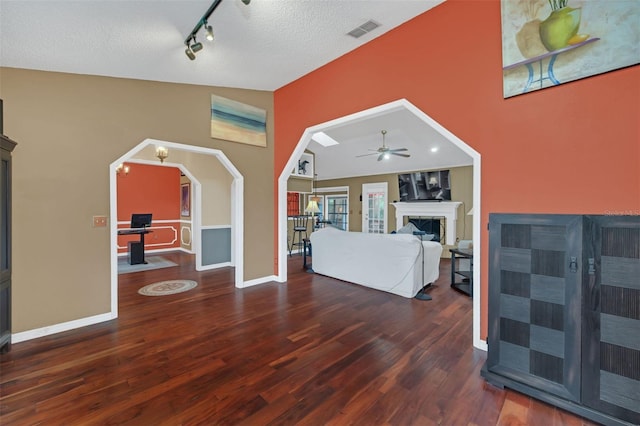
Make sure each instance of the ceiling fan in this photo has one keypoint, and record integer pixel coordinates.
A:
(384, 152)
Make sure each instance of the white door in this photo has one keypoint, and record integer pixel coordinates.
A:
(374, 208)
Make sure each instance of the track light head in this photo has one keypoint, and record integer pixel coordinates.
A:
(192, 45)
(196, 46)
(189, 53)
(209, 32)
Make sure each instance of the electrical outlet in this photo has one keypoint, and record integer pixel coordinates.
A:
(99, 221)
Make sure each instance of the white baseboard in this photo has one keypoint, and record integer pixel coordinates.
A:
(58, 328)
(155, 251)
(259, 281)
(481, 344)
(214, 266)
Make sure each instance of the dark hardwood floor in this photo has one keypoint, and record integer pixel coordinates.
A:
(313, 351)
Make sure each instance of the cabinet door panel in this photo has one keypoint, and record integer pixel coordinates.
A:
(611, 327)
(534, 301)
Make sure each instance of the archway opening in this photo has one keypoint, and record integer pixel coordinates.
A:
(378, 111)
(236, 205)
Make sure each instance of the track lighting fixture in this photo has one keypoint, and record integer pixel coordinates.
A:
(192, 48)
(189, 52)
(192, 45)
(209, 31)
(196, 46)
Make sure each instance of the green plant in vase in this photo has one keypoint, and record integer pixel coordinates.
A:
(561, 25)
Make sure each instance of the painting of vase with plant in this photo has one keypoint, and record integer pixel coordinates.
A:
(549, 42)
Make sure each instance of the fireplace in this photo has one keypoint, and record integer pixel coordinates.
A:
(445, 210)
(428, 225)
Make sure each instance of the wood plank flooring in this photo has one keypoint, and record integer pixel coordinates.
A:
(313, 351)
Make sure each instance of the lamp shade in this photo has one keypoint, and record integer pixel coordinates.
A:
(312, 206)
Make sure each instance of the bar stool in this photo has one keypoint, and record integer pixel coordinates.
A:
(300, 224)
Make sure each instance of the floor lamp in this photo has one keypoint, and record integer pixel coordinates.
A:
(421, 295)
(313, 208)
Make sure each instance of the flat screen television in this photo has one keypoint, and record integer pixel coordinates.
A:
(140, 220)
(425, 186)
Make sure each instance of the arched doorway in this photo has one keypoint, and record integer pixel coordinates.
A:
(236, 205)
(391, 107)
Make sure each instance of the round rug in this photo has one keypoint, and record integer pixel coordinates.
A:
(164, 288)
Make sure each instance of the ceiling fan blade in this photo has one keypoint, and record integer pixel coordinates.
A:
(380, 157)
(366, 155)
(401, 155)
(398, 149)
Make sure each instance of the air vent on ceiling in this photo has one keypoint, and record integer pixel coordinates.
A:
(368, 26)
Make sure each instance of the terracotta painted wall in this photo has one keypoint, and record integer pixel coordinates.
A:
(574, 148)
(155, 190)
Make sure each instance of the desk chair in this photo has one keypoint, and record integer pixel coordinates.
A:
(300, 224)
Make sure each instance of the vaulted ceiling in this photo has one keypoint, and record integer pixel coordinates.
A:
(262, 45)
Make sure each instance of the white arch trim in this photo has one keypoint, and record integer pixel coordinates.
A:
(367, 114)
(237, 210)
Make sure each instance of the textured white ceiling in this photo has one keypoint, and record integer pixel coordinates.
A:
(404, 130)
(263, 45)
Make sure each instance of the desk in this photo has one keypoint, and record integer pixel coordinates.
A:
(135, 248)
(466, 286)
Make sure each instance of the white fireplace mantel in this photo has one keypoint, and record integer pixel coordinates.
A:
(446, 209)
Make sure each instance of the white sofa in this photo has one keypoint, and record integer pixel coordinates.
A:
(387, 262)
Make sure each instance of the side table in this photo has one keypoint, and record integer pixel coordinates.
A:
(466, 285)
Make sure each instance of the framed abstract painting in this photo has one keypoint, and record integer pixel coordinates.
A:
(549, 42)
(238, 122)
(185, 200)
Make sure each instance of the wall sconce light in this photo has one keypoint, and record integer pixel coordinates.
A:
(162, 153)
(122, 170)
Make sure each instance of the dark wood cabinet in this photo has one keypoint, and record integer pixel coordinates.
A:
(6, 146)
(564, 311)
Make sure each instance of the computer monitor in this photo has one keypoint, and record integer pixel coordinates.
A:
(140, 220)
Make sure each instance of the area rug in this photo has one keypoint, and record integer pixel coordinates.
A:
(153, 262)
(164, 288)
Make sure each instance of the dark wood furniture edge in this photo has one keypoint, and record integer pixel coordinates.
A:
(581, 410)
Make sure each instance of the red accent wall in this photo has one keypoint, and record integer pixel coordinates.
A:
(150, 189)
(574, 148)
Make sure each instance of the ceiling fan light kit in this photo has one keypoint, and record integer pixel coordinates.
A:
(384, 152)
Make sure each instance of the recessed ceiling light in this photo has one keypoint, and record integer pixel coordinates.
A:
(323, 139)
(434, 149)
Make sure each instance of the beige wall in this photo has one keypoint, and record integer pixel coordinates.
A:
(215, 181)
(297, 184)
(461, 190)
(69, 128)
